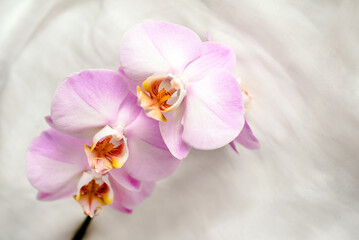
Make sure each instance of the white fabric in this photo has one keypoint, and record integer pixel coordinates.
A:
(298, 60)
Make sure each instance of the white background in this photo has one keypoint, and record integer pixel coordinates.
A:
(299, 61)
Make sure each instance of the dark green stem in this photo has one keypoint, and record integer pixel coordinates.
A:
(82, 229)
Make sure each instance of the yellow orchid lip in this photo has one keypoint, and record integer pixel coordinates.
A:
(160, 93)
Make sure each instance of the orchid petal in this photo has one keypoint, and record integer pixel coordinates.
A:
(172, 131)
(53, 160)
(149, 163)
(214, 111)
(125, 180)
(128, 112)
(132, 85)
(247, 138)
(149, 158)
(214, 55)
(233, 146)
(49, 122)
(125, 200)
(87, 101)
(146, 129)
(68, 189)
(157, 47)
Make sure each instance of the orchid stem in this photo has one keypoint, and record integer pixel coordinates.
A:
(82, 229)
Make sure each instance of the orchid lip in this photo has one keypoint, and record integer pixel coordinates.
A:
(94, 192)
(109, 150)
(161, 93)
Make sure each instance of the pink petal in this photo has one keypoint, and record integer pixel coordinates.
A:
(157, 47)
(146, 129)
(125, 200)
(147, 162)
(172, 131)
(247, 138)
(149, 158)
(132, 85)
(66, 191)
(233, 146)
(49, 122)
(214, 55)
(125, 180)
(87, 101)
(214, 111)
(54, 161)
(128, 110)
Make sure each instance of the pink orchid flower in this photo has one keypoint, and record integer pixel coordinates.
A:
(184, 83)
(97, 105)
(57, 166)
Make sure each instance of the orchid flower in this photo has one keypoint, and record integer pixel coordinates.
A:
(246, 137)
(57, 166)
(97, 105)
(185, 84)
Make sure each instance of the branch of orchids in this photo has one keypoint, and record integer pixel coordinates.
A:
(82, 229)
(167, 74)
